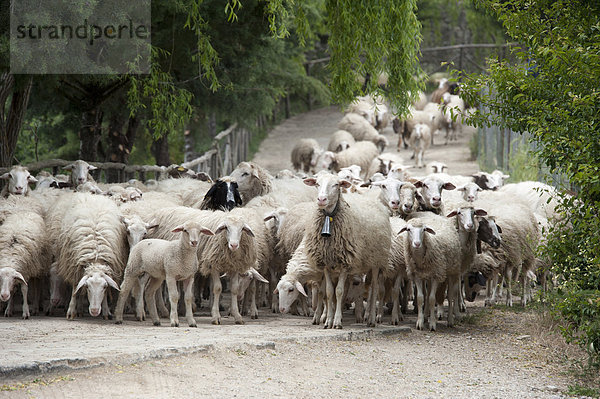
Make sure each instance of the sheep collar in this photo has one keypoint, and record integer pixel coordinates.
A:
(326, 230)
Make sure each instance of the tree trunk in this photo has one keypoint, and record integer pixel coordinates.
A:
(160, 150)
(11, 117)
(90, 134)
(212, 124)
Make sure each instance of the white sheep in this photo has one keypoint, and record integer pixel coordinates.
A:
(185, 191)
(490, 181)
(19, 179)
(80, 172)
(90, 247)
(540, 197)
(340, 140)
(362, 154)
(400, 197)
(23, 251)
(384, 163)
(346, 238)
(454, 107)
(419, 141)
(362, 130)
(305, 154)
(163, 260)
(431, 192)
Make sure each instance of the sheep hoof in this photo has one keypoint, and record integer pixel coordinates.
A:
(119, 322)
(193, 325)
(174, 324)
(432, 328)
(325, 326)
(254, 316)
(156, 323)
(338, 326)
(216, 322)
(239, 322)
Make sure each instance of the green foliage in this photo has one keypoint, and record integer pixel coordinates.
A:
(579, 390)
(551, 92)
(522, 162)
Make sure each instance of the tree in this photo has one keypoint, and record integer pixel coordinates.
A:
(552, 93)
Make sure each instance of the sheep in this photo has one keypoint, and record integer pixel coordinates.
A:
(419, 141)
(470, 191)
(345, 238)
(540, 197)
(80, 172)
(362, 154)
(24, 251)
(19, 179)
(399, 275)
(436, 167)
(185, 191)
(400, 197)
(445, 86)
(490, 181)
(362, 130)
(351, 173)
(222, 195)
(45, 180)
(383, 163)
(454, 107)
(340, 140)
(163, 260)
(252, 180)
(421, 101)
(406, 127)
(305, 154)
(431, 192)
(90, 247)
(399, 172)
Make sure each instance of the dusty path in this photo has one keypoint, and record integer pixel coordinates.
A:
(490, 354)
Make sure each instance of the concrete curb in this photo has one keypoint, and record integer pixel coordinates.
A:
(81, 363)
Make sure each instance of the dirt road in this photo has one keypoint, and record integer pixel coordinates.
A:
(490, 354)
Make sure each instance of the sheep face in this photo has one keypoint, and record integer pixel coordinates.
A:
(470, 191)
(398, 171)
(79, 171)
(474, 282)
(390, 192)
(8, 278)
(223, 195)
(328, 187)
(314, 156)
(234, 228)
(490, 181)
(191, 233)
(137, 229)
(96, 283)
(244, 175)
(465, 217)
(327, 160)
(488, 231)
(416, 234)
(277, 216)
(381, 142)
(351, 173)
(431, 190)
(18, 180)
(288, 293)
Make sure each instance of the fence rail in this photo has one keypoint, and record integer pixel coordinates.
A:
(229, 147)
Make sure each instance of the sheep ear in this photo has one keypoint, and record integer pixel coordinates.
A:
(151, 225)
(5, 176)
(275, 291)
(125, 221)
(31, 179)
(479, 189)
(310, 181)
(480, 212)
(68, 167)
(177, 229)
(300, 288)
(418, 184)
(448, 186)
(451, 214)
(111, 282)
(221, 228)
(81, 283)
(461, 188)
(429, 230)
(92, 167)
(345, 184)
(248, 230)
(505, 177)
(257, 275)
(402, 230)
(270, 216)
(19, 276)
(206, 231)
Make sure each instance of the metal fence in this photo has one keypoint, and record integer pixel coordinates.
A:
(229, 147)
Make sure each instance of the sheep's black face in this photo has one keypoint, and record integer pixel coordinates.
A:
(489, 232)
(222, 195)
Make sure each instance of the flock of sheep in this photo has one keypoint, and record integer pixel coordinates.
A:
(365, 234)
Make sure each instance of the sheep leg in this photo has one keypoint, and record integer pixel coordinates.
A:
(492, 287)
(381, 296)
(72, 310)
(151, 288)
(235, 288)
(318, 304)
(359, 310)
(329, 295)
(160, 303)
(272, 285)
(508, 279)
(126, 287)
(106, 314)
(462, 306)
(339, 296)
(420, 304)
(453, 284)
(396, 311)
(432, 311)
(173, 299)
(216, 288)
(252, 293)
(188, 289)
(372, 303)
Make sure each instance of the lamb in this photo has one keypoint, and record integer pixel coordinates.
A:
(490, 181)
(80, 172)
(90, 247)
(305, 154)
(340, 140)
(346, 238)
(362, 130)
(23, 251)
(163, 260)
(419, 141)
(362, 154)
(19, 179)
(453, 109)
